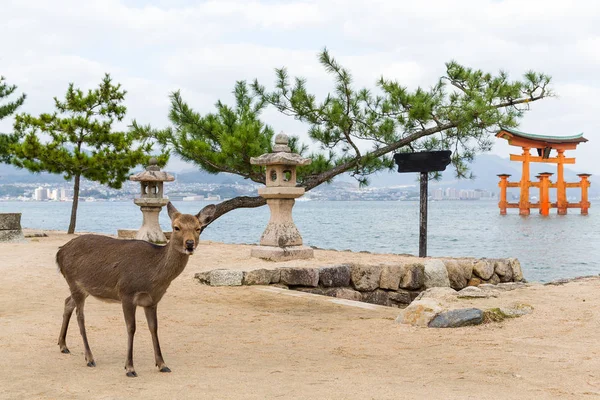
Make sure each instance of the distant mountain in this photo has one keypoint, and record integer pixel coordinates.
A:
(485, 167)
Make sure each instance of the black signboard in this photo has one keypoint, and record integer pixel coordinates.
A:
(423, 162)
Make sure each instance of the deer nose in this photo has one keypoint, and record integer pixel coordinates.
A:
(189, 243)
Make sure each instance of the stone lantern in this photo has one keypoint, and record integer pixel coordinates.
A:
(151, 201)
(281, 240)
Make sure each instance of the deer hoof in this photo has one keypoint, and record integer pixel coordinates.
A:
(91, 364)
(132, 374)
(65, 351)
(165, 369)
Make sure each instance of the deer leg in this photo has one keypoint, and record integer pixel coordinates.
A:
(129, 313)
(69, 307)
(153, 326)
(79, 300)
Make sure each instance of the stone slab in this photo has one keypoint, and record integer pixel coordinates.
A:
(272, 253)
(262, 276)
(365, 278)
(226, 277)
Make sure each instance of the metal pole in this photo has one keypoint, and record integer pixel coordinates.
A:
(423, 216)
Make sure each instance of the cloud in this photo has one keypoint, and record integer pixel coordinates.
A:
(202, 48)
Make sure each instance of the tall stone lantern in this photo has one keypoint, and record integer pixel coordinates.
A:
(281, 240)
(151, 201)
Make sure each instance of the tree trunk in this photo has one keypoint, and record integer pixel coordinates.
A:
(74, 207)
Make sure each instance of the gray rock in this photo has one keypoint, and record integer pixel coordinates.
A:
(261, 277)
(377, 296)
(335, 276)
(413, 276)
(344, 293)
(459, 273)
(484, 269)
(494, 280)
(300, 276)
(365, 278)
(400, 297)
(390, 277)
(472, 292)
(515, 265)
(436, 274)
(457, 318)
(420, 312)
(503, 270)
(203, 277)
(226, 277)
(438, 293)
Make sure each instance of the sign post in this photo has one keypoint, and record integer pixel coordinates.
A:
(423, 162)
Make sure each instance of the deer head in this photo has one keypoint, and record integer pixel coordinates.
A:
(187, 228)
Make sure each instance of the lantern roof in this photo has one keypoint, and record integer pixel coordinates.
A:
(282, 154)
(152, 174)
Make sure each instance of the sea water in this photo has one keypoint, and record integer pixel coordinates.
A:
(557, 246)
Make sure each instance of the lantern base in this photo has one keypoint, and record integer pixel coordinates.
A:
(273, 253)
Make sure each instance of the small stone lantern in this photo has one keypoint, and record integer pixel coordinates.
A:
(151, 201)
(281, 240)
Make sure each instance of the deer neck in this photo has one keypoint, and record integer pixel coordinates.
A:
(171, 263)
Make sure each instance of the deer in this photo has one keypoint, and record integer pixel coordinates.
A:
(131, 272)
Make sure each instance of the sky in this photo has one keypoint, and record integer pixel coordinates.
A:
(203, 47)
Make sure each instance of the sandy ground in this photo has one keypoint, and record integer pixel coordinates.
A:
(246, 343)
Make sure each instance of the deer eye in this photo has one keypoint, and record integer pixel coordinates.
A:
(176, 228)
(198, 229)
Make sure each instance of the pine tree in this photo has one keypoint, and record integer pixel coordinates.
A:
(357, 130)
(6, 109)
(77, 140)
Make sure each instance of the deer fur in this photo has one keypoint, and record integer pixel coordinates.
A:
(131, 272)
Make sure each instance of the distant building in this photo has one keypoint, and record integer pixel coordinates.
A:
(66, 194)
(40, 194)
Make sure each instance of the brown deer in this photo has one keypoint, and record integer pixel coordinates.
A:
(132, 272)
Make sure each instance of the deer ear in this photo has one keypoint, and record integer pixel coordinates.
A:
(172, 211)
(207, 214)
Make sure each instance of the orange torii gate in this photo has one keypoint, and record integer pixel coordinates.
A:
(544, 145)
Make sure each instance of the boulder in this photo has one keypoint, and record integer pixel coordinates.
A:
(457, 318)
(474, 282)
(261, 276)
(10, 221)
(413, 276)
(515, 265)
(365, 278)
(420, 312)
(390, 277)
(503, 270)
(494, 280)
(459, 273)
(484, 269)
(472, 292)
(344, 293)
(334, 276)
(437, 293)
(436, 274)
(300, 276)
(226, 277)
(513, 311)
(203, 277)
